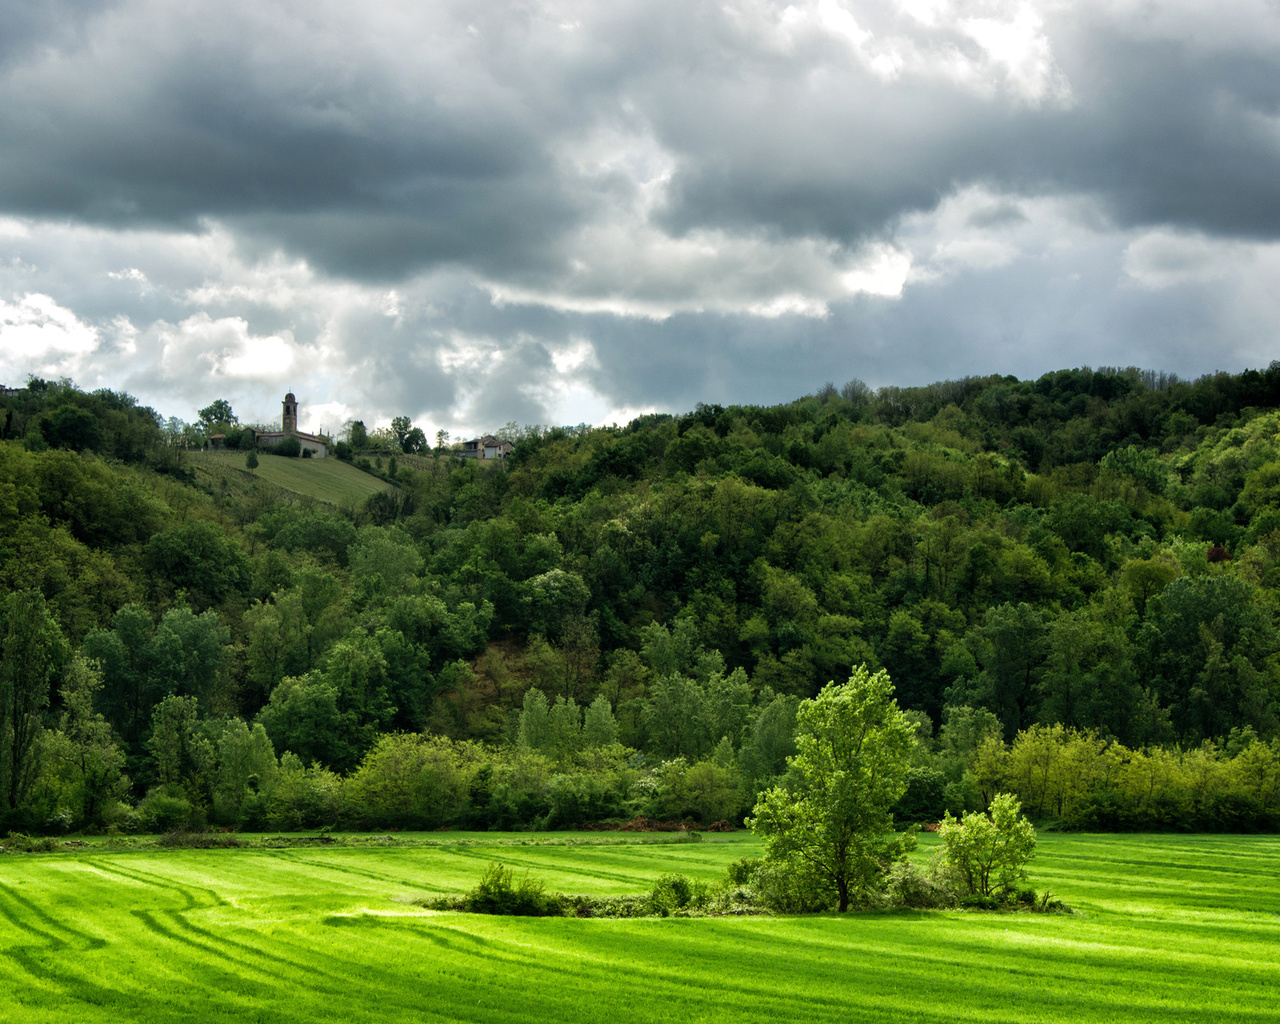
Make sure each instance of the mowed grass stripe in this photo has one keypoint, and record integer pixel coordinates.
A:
(290, 935)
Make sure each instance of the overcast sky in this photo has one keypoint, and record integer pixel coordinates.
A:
(560, 212)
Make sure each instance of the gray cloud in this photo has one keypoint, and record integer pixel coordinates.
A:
(568, 210)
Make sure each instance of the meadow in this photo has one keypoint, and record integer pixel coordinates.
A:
(1167, 928)
(328, 480)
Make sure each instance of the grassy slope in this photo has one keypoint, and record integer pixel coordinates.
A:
(328, 480)
(1172, 928)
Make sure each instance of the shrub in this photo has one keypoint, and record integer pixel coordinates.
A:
(497, 893)
(743, 870)
(20, 842)
(790, 889)
(167, 809)
(672, 893)
(184, 840)
(907, 886)
(986, 855)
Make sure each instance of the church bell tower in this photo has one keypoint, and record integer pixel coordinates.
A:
(289, 418)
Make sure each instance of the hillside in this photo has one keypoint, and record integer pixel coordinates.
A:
(1072, 582)
(326, 480)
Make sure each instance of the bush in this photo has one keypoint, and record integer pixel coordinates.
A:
(20, 842)
(497, 893)
(787, 889)
(743, 870)
(986, 856)
(183, 840)
(673, 893)
(167, 809)
(907, 886)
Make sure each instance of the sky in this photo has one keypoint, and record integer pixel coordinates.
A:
(563, 212)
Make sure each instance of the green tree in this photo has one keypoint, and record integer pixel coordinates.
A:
(182, 757)
(832, 821)
(32, 652)
(356, 435)
(535, 721)
(987, 855)
(199, 558)
(88, 762)
(400, 427)
(600, 728)
(251, 460)
(217, 417)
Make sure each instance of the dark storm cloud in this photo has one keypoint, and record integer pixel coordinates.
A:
(481, 213)
(434, 136)
(1160, 131)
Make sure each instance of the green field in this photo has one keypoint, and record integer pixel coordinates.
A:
(329, 480)
(1169, 928)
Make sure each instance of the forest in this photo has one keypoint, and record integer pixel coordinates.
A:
(1071, 581)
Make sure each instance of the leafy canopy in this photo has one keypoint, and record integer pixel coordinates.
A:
(832, 822)
(987, 855)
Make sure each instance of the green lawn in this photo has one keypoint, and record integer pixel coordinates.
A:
(1169, 929)
(329, 480)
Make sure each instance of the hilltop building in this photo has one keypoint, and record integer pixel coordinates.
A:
(487, 447)
(314, 443)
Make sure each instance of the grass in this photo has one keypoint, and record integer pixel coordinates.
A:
(328, 480)
(1169, 929)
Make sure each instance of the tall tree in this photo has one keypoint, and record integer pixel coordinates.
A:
(833, 825)
(32, 652)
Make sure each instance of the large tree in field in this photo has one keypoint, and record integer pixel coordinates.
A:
(832, 821)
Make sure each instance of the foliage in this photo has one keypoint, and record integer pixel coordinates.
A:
(987, 855)
(1095, 552)
(32, 651)
(850, 768)
(498, 892)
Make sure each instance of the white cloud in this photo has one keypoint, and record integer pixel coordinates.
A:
(37, 332)
(226, 348)
(1016, 45)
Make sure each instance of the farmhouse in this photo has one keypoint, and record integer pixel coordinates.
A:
(317, 445)
(487, 447)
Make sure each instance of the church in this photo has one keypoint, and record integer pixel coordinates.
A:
(317, 445)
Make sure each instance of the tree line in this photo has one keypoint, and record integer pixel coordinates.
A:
(1094, 551)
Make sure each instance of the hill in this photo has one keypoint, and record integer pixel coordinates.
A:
(327, 480)
(1073, 582)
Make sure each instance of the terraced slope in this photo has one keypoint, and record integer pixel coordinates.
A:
(1172, 928)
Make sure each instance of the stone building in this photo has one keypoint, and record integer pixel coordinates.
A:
(317, 444)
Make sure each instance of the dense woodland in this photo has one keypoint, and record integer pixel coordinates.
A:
(1071, 581)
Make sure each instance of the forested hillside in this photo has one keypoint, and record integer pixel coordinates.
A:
(1071, 581)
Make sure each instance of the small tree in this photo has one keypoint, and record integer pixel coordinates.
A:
(832, 823)
(987, 855)
(251, 460)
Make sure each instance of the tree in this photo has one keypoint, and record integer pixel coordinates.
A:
(251, 460)
(32, 652)
(356, 435)
(987, 855)
(400, 427)
(832, 822)
(86, 757)
(414, 442)
(217, 415)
